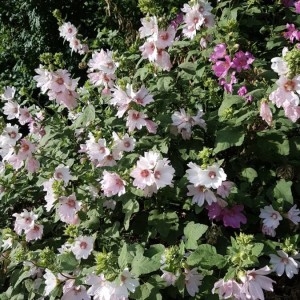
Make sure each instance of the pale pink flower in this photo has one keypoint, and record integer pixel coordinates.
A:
(15, 161)
(265, 112)
(229, 289)
(165, 38)
(74, 292)
(102, 79)
(83, 247)
(128, 281)
(10, 135)
(142, 96)
(200, 194)
(8, 93)
(294, 214)
(24, 116)
(255, 281)
(102, 61)
(66, 98)
(135, 119)
(97, 150)
(271, 217)
(279, 65)
(67, 209)
(149, 50)
(163, 173)
(112, 184)
(43, 78)
(77, 46)
(225, 188)
(268, 231)
(34, 233)
(120, 99)
(50, 197)
(149, 28)
(26, 149)
(163, 59)
(32, 165)
(192, 281)
(151, 126)
(24, 221)
(169, 277)
(11, 109)
(62, 173)
(211, 177)
(292, 112)
(282, 263)
(50, 281)
(67, 31)
(126, 144)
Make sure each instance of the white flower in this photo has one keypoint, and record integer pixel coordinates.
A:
(293, 215)
(128, 281)
(212, 177)
(8, 94)
(192, 281)
(50, 282)
(271, 217)
(62, 173)
(83, 247)
(283, 263)
(168, 277)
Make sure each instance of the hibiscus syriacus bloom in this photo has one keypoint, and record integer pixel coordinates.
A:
(112, 184)
(271, 217)
(67, 209)
(200, 194)
(192, 281)
(74, 292)
(83, 247)
(282, 263)
(62, 173)
(211, 177)
(229, 289)
(152, 171)
(254, 282)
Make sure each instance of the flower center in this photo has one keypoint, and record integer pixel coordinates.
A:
(274, 216)
(71, 203)
(126, 144)
(145, 173)
(289, 86)
(12, 134)
(83, 245)
(157, 175)
(212, 174)
(60, 81)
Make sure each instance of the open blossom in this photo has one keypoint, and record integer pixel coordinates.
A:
(184, 122)
(219, 52)
(50, 281)
(149, 28)
(34, 233)
(11, 109)
(129, 281)
(112, 184)
(282, 263)
(255, 281)
(294, 215)
(192, 281)
(74, 292)
(211, 177)
(62, 173)
(152, 172)
(229, 289)
(24, 221)
(67, 31)
(279, 65)
(242, 61)
(83, 247)
(8, 93)
(271, 217)
(169, 278)
(200, 194)
(67, 209)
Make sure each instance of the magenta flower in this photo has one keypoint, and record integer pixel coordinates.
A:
(292, 33)
(242, 61)
(297, 7)
(221, 67)
(218, 53)
(233, 217)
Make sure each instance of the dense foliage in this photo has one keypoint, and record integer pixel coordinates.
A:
(152, 151)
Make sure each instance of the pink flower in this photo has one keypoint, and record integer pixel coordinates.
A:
(62, 173)
(102, 61)
(225, 188)
(24, 221)
(294, 215)
(268, 230)
(169, 277)
(219, 52)
(221, 67)
(34, 233)
(227, 289)
(233, 216)
(24, 116)
(135, 119)
(228, 85)
(163, 60)
(8, 93)
(112, 184)
(297, 7)
(11, 109)
(128, 281)
(242, 61)
(271, 217)
(255, 281)
(211, 177)
(32, 165)
(83, 247)
(67, 31)
(283, 263)
(200, 194)
(149, 28)
(292, 33)
(192, 281)
(165, 38)
(68, 208)
(265, 112)
(74, 292)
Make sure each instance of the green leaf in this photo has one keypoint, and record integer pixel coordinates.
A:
(164, 83)
(229, 101)
(24, 275)
(229, 137)
(146, 291)
(87, 116)
(188, 67)
(206, 256)
(257, 249)
(144, 265)
(250, 174)
(129, 207)
(283, 190)
(123, 257)
(67, 261)
(193, 232)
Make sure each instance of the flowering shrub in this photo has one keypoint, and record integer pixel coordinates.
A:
(168, 171)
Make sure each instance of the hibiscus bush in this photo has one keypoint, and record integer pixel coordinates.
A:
(166, 169)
